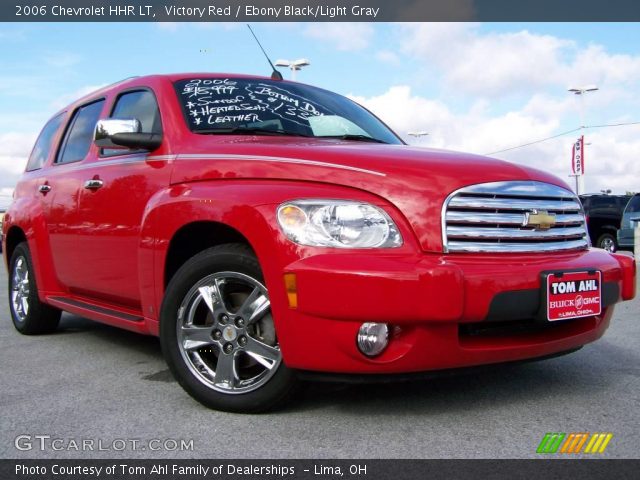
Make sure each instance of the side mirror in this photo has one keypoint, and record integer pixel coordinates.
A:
(122, 134)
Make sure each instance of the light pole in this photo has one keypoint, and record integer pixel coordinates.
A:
(576, 176)
(294, 65)
(581, 91)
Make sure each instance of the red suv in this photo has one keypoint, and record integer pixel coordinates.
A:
(266, 229)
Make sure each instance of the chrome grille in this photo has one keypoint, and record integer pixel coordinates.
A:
(513, 217)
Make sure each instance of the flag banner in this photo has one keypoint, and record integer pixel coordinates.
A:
(577, 158)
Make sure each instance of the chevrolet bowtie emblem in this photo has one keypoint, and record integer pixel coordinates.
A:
(539, 220)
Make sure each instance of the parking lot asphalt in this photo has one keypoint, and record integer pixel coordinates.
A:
(91, 381)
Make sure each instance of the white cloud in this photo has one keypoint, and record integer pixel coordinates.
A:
(495, 64)
(610, 159)
(5, 197)
(595, 65)
(16, 148)
(486, 63)
(405, 112)
(64, 100)
(501, 89)
(342, 36)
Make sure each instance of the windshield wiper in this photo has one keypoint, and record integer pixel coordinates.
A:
(250, 131)
(357, 138)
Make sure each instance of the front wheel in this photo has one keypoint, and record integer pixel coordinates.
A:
(218, 335)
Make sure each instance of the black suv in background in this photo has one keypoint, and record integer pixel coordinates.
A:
(604, 213)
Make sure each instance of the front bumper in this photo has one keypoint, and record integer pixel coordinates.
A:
(447, 311)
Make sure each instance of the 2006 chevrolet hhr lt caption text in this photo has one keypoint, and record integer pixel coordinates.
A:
(263, 228)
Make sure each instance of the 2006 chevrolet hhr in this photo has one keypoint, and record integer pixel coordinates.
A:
(266, 229)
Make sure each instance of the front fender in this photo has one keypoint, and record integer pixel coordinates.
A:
(249, 207)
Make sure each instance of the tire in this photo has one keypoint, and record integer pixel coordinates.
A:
(30, 316)
(608, 242)
(217, 333)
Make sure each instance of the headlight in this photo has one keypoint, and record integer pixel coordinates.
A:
(338, 223)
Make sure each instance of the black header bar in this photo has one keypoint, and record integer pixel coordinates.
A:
(319, 11)
(321, 469)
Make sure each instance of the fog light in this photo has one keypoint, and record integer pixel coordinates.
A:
(373, 338)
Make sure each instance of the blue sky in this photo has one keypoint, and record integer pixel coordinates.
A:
(475, 87)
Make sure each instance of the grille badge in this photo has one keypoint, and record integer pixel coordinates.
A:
(539, 220)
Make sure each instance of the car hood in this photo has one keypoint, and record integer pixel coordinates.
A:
(416, 180)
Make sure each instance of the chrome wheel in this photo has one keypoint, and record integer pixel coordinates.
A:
(608, 244)
(225, 333)
(20, 289)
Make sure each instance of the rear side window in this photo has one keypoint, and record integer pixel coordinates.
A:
(140, 105)
(634, 205)
(77, 140)
(40, 151)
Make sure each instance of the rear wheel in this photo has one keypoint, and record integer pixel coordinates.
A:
(607, 242)
(218, 335)
(30, 316)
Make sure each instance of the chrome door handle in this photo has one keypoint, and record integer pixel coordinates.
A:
(44, 188)
(93, 184)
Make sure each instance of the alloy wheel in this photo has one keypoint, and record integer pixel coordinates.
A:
(20, 289)
(226, 335)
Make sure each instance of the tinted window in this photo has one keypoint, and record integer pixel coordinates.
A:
(80, 133)
(238, 105)
(41, 149)
(140, 105)
(604, 202)
(634, 205)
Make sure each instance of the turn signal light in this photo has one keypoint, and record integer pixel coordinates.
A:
(292, 289)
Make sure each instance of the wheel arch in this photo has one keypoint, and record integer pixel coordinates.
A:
(15, 236)
(608, 228)
(195, 237)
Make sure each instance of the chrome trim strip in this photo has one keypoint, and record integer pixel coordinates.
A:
(161, 157)
(520, 188)
(462, 217)
(479, 247)
(298, 161)
(514, 234)
(105, 163)
(482, 203)
(194, 156)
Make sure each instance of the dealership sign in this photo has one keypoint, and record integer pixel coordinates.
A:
(577, 158)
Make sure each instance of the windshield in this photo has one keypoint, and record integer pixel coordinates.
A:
(237, 105)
